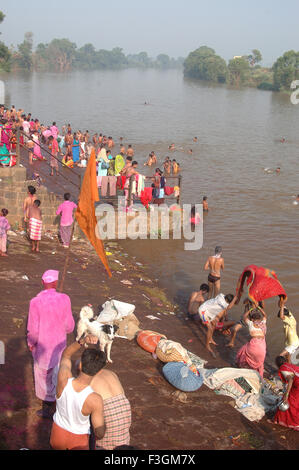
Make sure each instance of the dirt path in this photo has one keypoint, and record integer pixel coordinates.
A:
(161, 418)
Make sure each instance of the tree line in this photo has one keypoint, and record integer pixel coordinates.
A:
(62, 55)
(204, 64)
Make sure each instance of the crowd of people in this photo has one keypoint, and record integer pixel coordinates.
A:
(88, 410)
(209, 308)
(81, 418)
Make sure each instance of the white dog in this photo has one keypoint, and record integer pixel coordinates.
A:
(89, 325)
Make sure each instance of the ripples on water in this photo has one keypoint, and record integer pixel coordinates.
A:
(251, 216)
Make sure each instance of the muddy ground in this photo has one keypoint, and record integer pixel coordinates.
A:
(162, 419)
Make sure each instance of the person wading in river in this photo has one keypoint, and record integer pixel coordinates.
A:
(215, 264)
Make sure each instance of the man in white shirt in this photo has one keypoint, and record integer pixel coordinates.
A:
(212, 312)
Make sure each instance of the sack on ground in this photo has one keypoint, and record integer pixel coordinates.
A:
(115, 310)
(181, 377)
(148, 340)
(170, 351)
(128, 326)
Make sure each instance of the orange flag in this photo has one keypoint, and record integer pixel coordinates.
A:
(85, 213)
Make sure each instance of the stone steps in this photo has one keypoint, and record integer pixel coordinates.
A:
(13, 191)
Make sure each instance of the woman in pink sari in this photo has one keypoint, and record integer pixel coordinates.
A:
(5, 135)
(37, 154)
(252, 354)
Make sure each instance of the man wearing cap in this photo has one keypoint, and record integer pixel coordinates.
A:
(50, 320)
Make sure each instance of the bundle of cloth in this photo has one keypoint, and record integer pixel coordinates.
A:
(261, 284)
(252, 398)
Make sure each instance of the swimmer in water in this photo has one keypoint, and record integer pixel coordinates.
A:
(296, 202)
(205, 204)
(195, 139)
(277, 171)
(190, 151)
(283, 140)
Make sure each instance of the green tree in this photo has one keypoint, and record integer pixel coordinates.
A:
(23, 57)
(238, 70)
(286, 69)
(5, 58)
(86, 57)
(163, 61)
(255, 57)
(2, 16)
(5, 55)
(204, 64)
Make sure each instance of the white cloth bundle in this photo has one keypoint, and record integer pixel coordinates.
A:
(115, 310)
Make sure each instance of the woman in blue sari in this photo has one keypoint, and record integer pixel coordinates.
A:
(76, 149)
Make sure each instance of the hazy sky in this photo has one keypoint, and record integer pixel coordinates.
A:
(174, 27)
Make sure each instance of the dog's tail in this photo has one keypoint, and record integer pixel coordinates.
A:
(86, 313)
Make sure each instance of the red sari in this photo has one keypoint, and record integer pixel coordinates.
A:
(290, 418)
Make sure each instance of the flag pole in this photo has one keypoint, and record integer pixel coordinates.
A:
(67, 258)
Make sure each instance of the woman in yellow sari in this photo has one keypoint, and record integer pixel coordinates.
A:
(68, 160)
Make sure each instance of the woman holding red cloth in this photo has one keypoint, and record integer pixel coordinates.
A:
(289, 374)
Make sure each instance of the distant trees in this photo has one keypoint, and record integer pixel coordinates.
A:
(286, 69)
(62, 55)
(204, 64)
(58, 56)
(22, 58)
(5, 56)
(254, 58)
(238, 69)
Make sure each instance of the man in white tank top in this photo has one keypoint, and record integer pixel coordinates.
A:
(78, 407)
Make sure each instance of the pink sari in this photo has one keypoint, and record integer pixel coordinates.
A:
(252, 354)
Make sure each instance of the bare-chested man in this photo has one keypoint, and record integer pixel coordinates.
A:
(196, 300)
(117, 410)
(130, 151)
(69, 140)
(28, 202)
(110, 142)
(215, 264)
(167, 165)
(128, 171)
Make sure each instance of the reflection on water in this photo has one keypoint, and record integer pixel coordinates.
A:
(251, 216)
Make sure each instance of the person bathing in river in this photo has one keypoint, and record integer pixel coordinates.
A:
(195, 217)
(149, 161)
(252, 354)
(205, 204)
(167, 166)
(290, 331)
(196, 300)
(248, 306)
(215, 264)
(213, 315)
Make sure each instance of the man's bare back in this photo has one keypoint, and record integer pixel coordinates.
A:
(35, 213)
(197, 299)
(28, 203)
(107, 384)
(215, 265)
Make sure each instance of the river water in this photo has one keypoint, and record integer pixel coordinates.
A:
(251, 216)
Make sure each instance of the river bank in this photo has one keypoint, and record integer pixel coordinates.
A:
(162, 418)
